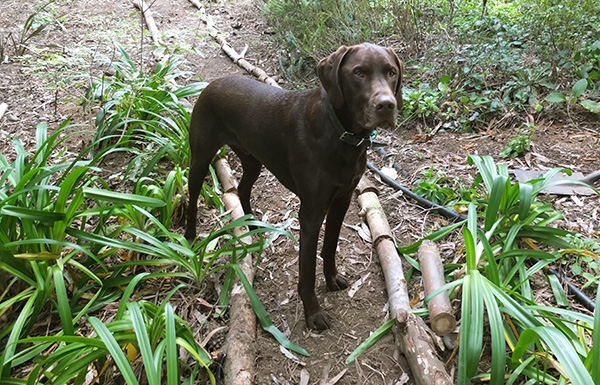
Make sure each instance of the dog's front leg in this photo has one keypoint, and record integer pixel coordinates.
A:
(311, 219)
(335, 218)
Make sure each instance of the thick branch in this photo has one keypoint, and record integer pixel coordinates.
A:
(412, 334)
(233, 55)
(441, 315)
(241, 338)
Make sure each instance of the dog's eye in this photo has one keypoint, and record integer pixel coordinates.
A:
(392, 73)
(358, 72)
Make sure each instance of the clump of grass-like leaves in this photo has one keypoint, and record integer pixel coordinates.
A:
(146, 110)
(543, 342)
(508, 238)
(69, 244)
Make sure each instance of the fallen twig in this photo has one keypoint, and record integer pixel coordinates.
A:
(3, 108)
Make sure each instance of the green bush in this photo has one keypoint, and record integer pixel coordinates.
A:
(145, 107)
(57, 235)
(310, 30)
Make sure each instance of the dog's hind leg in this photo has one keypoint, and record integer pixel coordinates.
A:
(202, 152)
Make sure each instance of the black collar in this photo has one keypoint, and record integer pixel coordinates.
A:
(347, 136)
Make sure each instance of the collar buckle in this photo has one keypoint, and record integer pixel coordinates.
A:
(347, 136)
(353, 139)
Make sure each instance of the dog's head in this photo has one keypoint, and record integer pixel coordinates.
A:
(367, 80)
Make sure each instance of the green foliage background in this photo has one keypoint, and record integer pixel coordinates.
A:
(464, 64)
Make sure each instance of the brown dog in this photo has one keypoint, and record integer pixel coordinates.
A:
(313, 141)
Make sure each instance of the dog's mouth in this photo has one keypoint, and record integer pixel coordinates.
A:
(377, 119)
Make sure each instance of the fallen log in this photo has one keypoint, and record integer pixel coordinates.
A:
(381, 236)
(237, 58)
(413, 337)
(241, 337)
(441, 316)
(149, 19)
(225, 176)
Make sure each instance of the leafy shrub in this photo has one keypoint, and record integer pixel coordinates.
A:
(435, 187)
(519, 144)
(506, 227)
(420, 102)
(57, 234)
(310, 30)
(560, 27)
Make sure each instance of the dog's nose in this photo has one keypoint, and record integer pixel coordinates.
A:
(384, 102)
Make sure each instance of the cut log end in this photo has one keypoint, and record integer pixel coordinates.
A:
(443, 323)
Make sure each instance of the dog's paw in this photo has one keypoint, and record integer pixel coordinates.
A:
(336, 282)
(317, 321)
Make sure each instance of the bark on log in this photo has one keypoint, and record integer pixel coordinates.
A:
(224, 174)
(415, 341)
(413, 337)
(241, 338)
(441, 314)
(149, 19)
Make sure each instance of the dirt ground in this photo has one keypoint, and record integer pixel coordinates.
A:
(37, 89)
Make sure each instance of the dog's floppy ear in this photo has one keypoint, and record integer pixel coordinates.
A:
(328, 69)
(398, 88)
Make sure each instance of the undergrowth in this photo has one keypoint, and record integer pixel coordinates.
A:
(465, 66)
(72, 247)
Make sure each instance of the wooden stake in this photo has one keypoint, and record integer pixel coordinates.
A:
(440, 310)
(413, 337)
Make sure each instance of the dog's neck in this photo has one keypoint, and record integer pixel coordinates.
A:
(346, 136)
